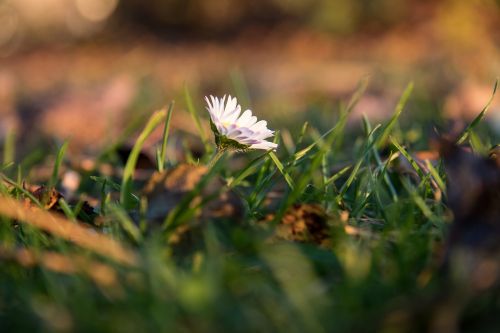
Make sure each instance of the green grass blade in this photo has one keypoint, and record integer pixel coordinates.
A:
(126, 223)
(435, 174)
(370, 143)
(163, 152)
(247, 171)
(126, 187)
(378, 160)
(420, 202)
(67, 209)
(479, 117)
(57, 165)
(21, 189)
(9, 148)
(175, 216)
(281, 169)
(410, 159)
(339, 125)
(397, 113)
(132, 127)
(337, 175)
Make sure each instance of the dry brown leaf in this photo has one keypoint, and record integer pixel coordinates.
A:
(49, 197)
(305, 223)
(166, 190)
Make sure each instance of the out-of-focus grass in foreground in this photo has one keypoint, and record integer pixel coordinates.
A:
(334, 232)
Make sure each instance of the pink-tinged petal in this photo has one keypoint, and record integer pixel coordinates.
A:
(263, 135)
(247, 141)
(245, 133)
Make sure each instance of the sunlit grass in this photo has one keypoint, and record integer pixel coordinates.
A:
(234, 272)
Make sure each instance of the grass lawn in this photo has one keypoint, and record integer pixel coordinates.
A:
(372, 227)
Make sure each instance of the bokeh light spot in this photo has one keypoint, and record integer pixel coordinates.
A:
(96, 10)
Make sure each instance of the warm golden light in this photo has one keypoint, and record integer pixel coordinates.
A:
(96, 10)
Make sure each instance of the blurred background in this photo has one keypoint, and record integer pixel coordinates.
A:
(82, 69)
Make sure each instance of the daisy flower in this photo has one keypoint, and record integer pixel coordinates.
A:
(236, 130)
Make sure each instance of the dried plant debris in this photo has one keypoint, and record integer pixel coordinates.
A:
(60, 227)
(102, 274)
(494, 154)
(49, 200)
(304, 223)
(474, 197)
(48, 197)
(166, 190)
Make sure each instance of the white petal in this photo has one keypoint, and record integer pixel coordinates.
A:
(260, 126)
(233, 116)
(245, 118)
(243, 128)
(263, 135)
(232, 103)
(266, 145)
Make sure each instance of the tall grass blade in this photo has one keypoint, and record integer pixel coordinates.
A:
(478, 118)
(57, 165)
(281, 169)
(410, 159)
(128, 172)
(9, 148)
(397, 113)
(126, 223)
(163, 151)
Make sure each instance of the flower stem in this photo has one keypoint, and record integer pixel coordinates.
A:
(218, 154)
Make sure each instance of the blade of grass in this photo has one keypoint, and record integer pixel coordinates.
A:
(102, 274)
(436, 176)
(175, 216)
(397, 113)
(21, 189)
(126, 187)
(126, 223)
(424, 208)
(57, 165)
(132, 126)
(67, 209)
(341, 122)
(479, 117)
(410, 159)
(247, 171)
(281, 169)
(163, 152)
(337, 175)
(378, 160)
(369, 144)
(9, 147)
(70, 231)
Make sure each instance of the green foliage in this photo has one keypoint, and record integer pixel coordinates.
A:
(234, 274)
(126, 187)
